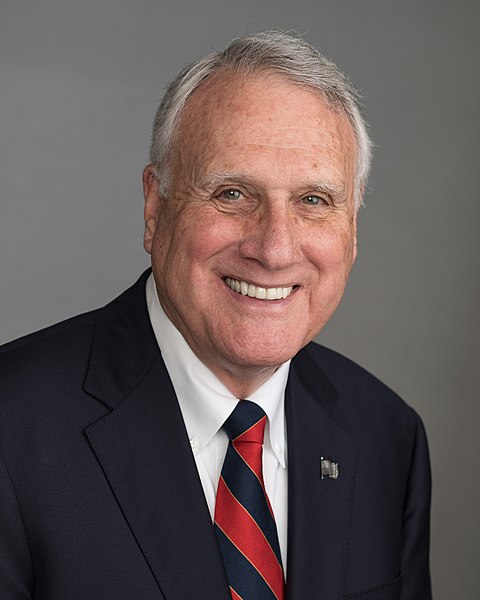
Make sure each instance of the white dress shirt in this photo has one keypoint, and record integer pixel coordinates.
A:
(206, 404)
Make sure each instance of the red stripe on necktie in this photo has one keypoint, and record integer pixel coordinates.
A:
(253, 433)
(242, 530)
(235, 596)
(251, 456)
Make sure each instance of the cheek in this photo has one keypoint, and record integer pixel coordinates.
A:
(210, 234)
(333, 250)
(196, 244)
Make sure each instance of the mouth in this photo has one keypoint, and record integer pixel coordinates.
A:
(261, 293)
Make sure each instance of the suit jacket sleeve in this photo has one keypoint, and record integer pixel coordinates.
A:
(416, 529)
(16, 574)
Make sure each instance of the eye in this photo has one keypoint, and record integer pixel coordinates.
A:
(230, 194)
(313, 200)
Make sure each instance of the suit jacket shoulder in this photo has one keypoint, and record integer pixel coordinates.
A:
(99, 493)
(349, 377)
(361, 400)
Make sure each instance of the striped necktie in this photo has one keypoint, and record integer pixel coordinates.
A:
(244, 521)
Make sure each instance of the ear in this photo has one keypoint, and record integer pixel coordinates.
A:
(150, 211)
(355, 219)
(354, 225)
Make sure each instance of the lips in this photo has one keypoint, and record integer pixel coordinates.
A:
(254, 291)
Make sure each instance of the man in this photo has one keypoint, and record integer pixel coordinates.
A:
(127, 469)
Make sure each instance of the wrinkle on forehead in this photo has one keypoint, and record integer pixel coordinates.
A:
(229, 118)
(238, 95)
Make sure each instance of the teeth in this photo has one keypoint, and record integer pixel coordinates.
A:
(248, 289)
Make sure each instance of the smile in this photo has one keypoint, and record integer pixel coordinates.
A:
(261, 293)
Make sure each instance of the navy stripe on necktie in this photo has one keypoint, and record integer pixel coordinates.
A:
(245, 486)
(242, 575)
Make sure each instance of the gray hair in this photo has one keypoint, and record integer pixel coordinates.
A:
(267, 52)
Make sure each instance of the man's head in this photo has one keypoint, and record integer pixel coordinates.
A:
(270, 51)
(259, 156)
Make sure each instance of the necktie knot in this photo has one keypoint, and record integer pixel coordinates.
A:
(246, 423)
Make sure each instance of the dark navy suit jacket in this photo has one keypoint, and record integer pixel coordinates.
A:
(100, 497)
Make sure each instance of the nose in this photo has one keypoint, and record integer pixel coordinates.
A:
(272, 238)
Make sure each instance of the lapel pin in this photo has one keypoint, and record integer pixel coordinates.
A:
(328, 468)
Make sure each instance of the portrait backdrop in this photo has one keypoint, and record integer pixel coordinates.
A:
(80, 83)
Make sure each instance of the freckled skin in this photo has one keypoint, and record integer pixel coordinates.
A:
(290, 160)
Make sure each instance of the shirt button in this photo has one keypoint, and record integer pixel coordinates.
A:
(194, 443)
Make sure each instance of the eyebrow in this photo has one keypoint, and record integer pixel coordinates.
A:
(217, 177)
(337, 192)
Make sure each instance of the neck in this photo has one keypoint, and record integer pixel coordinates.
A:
(242, 381)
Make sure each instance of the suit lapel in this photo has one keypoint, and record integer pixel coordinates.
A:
(319, 510)
(144, 452)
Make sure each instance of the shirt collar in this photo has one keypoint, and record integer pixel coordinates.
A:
(204, 401)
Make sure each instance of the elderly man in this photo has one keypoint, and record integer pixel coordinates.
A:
(189, 440)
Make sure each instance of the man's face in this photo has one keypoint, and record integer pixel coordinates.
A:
(261, 201)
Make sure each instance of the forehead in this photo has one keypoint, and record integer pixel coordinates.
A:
(233, 118)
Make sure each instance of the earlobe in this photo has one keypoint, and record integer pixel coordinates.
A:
(150, 194)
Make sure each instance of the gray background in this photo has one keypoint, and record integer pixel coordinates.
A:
(79, 85)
